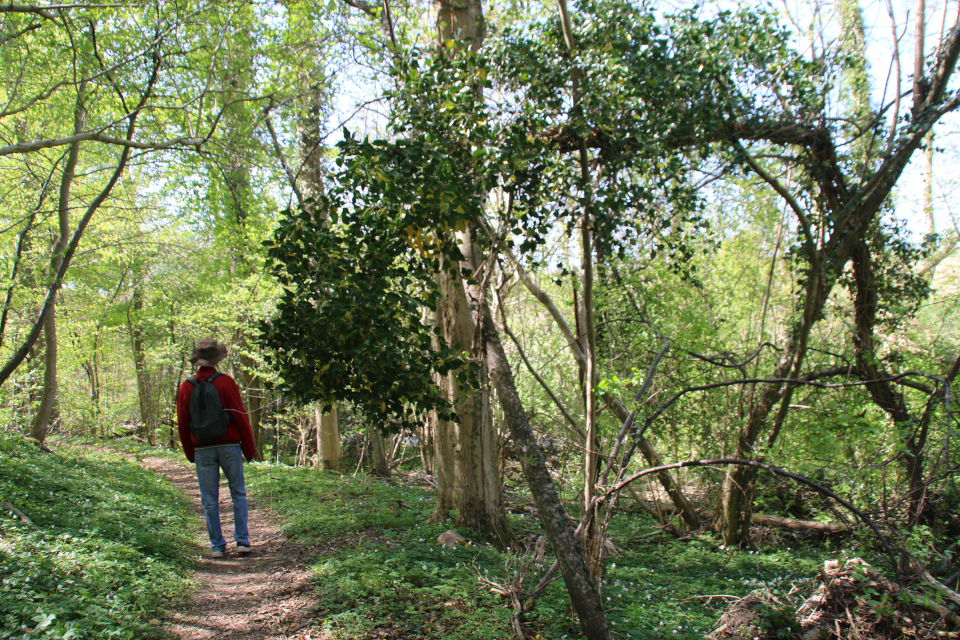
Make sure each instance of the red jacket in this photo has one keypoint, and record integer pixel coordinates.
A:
(238, 430)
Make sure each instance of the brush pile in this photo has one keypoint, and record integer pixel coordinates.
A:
(853, 601)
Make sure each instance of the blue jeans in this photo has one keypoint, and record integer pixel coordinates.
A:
(209, 462)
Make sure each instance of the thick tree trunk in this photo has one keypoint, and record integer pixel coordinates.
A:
(328, 428)
(444, 459)
(477, 494)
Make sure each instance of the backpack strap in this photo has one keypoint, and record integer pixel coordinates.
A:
(194, 381)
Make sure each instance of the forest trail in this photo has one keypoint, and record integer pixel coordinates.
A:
(264, 595)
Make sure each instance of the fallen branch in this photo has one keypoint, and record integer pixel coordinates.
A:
(777, 472)
(655, 512)
(790, 523)
(19, 514)
(944, 590)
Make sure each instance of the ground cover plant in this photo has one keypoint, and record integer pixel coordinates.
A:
(381, 572)
(105, 549)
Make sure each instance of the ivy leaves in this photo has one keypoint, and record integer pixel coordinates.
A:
(357, 271)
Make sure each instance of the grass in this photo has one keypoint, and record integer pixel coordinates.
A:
(381, 573)
(107, 553)
(107, 558)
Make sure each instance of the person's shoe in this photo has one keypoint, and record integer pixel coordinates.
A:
(219, 554)
(244, 548)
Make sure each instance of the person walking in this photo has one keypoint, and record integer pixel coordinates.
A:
(215, 434)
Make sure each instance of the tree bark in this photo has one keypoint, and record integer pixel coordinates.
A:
(329, 430)
(477, 492)
(41, 420)
(379, 464)
(583, 593)
(252, 388)
(444, 447)
(148, 417)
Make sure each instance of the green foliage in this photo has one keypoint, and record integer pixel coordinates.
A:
(349, 325)
(358, 265)
(380, 569)
(108, 552)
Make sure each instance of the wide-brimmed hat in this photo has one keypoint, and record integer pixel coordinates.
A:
(208, 353)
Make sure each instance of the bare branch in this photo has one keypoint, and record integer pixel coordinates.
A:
(291, 177)
(802, 381)
(98, 136)
(631, 417)
(575, 428)
(14, 36)
(544, 298)
(777, 472)
(767, 177)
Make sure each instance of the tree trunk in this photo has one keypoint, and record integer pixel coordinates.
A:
(48, 395)
(425, 436)
(41, 421)
(328, 428)
(148, 418)
(477, 493)
(379, 464)
(252, 388)
(593, 531)
(444, 457)
(580, 586)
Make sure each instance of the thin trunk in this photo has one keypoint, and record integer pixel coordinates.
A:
(579, 583)
(380, 466)
(928, 185)
(48, 394)
(665, 477)
(147, 409)
(316, 429)
(41, 421)
(593, 531)
(425, 436)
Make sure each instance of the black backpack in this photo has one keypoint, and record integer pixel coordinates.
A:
(208, 419)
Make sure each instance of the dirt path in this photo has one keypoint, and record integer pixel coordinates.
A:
(266, 594)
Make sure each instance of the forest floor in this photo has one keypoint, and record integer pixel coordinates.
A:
(266, 594)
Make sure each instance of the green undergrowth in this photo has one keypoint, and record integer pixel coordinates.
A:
(107, 551)
(380, 571)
